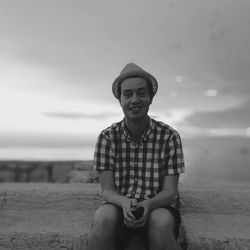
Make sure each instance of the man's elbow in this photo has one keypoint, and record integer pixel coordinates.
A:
(105, 194)
(171, 194)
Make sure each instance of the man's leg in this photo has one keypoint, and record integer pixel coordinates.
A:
(161, 224)
(105, 227)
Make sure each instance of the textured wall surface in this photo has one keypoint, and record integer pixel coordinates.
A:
(46, 171)
(59, 216)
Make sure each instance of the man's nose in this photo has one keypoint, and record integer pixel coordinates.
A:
(135, 98)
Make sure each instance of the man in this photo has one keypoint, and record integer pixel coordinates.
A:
(139, 161)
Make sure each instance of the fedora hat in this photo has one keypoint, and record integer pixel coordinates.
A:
(133, 70)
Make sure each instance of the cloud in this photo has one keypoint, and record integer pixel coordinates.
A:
(28, 113)
(225, 119)
(95, 116)
(58, 69)
(174, 117)
(233, 117)
(228, 131)
(190, 131)
(45, 139)
(46, 153)
(86, 44)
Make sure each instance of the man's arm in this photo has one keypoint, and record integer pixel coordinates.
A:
(166, 195)
(162, 199)
(109, 191)
(111, 195)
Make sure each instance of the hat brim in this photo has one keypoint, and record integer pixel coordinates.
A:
(130, 74)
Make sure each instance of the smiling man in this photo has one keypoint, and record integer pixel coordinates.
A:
(139, 161)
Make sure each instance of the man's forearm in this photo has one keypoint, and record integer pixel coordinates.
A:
(166, 195)
(112, 196)
(162, 199)
(109, 191)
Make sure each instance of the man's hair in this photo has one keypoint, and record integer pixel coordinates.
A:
(150, 88)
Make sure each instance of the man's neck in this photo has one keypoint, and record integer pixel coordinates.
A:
(137, 127)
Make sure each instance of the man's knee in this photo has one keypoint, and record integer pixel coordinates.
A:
(161, 220)
(102, 235)
(107, 217)
(161, 225)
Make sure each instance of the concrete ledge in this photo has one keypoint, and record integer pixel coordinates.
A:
(44, 229)
(41, 171)
(217, 231)
(216, 216)
(58, 216)
(216, 199)
(45, 241)
(46, 216)
(35, 196)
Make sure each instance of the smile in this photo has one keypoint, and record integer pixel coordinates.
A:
(135, 109)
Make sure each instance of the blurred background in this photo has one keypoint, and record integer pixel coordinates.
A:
(59, 58)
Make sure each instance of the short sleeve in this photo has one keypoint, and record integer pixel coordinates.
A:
(103, 156)
(174, 164)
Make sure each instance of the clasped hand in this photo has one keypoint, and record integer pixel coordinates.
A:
(129, 207)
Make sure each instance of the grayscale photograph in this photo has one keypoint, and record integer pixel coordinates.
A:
(125, 125)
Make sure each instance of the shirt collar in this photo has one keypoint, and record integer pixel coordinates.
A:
(144, 136)
(125, 130)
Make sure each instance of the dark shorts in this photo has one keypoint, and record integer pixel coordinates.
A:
(124, 233)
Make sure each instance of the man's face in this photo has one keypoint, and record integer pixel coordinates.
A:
(135, 98)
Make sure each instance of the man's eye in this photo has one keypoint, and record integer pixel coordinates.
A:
(141, 93)
(127, 94)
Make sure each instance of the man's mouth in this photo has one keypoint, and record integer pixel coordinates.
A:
(135, 109)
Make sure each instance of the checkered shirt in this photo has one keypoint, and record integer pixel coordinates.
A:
(139, 168)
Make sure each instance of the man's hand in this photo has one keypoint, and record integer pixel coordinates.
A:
(141, 222)
(129, 218)
(138, 212)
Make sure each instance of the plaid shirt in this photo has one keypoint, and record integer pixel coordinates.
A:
(139, 168)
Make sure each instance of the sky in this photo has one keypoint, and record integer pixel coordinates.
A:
(58, 59)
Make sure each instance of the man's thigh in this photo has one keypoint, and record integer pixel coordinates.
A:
(111, 218)
(106, 215)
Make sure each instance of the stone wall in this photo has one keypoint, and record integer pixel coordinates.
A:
(47, 171)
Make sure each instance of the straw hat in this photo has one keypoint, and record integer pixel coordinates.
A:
(132, 70)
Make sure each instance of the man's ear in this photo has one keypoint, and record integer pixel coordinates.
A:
(151, 100)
